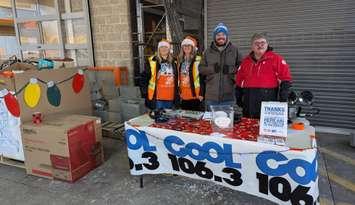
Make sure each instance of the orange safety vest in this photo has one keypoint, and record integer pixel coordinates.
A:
(168, 92)
(185, 84)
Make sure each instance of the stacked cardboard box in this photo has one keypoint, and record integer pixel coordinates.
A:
(64, 147)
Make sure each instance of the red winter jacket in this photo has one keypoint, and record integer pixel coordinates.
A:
(268, 79)
(266, 73)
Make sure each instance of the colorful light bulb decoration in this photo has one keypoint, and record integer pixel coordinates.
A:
(32, 93)
(53, 94)
(11, 102)
(78, 81)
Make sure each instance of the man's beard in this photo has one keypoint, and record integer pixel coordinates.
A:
(220, 43)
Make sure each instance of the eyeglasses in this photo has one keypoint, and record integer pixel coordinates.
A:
(260, 43)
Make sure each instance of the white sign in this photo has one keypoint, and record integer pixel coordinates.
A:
(10, 134)
(273, 119)
(268, 171)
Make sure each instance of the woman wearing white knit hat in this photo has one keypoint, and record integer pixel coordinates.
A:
(189, 78)
(159, 81)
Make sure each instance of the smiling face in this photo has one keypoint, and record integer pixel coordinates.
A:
(164, 51)
(220, 39)
(259, 46)
(187, 49)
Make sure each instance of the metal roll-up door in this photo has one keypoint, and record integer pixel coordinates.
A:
(317, 39)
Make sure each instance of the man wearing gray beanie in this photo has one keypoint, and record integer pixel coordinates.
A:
(263, 76)
(218, 67)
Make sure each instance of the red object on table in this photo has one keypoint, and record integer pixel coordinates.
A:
(246, 129)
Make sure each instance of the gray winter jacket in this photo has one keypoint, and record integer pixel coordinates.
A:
(218, 68)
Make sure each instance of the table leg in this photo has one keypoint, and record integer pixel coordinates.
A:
(141, 181)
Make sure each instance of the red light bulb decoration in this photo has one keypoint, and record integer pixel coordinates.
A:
(11, 102)
(78, 81)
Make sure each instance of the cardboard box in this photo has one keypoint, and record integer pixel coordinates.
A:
(69, 101)
(21, 66)
(64, 147)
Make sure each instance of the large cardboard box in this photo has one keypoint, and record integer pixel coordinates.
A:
(64, 147)
(69, 100)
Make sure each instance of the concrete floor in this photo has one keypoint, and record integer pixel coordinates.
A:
(112, 184)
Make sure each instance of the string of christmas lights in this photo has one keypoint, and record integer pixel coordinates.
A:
(32, 92)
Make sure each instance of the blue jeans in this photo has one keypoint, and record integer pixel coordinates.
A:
(213, 102)
(164, 104)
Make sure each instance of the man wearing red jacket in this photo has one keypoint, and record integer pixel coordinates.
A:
(263, 76)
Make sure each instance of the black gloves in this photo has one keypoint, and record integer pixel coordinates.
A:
(217, 68)
(284, 88)
(239, 96)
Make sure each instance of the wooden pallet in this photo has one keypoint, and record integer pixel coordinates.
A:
(113, 130)
(12, 162)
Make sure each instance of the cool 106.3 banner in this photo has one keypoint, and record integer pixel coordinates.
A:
(268, 171)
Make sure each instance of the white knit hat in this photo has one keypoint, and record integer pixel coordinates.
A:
(163, 43)
(187, 42)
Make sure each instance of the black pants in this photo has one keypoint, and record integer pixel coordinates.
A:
(252, 98)
(191, 105)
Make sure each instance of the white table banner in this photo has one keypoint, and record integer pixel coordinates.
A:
(272, 172)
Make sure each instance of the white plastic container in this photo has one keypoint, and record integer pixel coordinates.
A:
(222, 117)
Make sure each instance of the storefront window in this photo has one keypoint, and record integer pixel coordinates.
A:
(32, 54)
(5, 9)
(50, 32)
(26, 8)
(80, 56)
(74, 31)
(68, 6)
(46, 28)
(29, 33)
(7, 31)
(46, 7)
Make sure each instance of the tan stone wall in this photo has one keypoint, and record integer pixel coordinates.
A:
(112, 33)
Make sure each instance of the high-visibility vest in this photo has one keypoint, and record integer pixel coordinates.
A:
(195, 79)
(152, 80)
(196, 75)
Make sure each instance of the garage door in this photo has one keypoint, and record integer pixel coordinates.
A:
(317, 39)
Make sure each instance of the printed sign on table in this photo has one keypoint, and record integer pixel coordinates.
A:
(273, 119)
(268, 171)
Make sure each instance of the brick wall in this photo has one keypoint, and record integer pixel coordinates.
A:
(112, 33)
